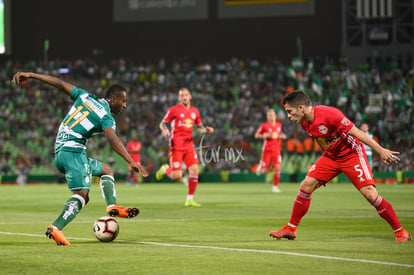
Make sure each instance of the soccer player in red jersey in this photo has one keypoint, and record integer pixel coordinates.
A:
(343, 151)
(271, 132)
(182, 117)
(134, 149)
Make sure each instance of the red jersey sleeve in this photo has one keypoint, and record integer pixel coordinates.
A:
(169, 116)
(261, 129)
(198, 118)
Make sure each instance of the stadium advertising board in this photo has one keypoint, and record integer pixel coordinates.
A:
(159, 10)
(264, 8)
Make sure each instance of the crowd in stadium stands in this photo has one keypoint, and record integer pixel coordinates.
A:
(232, 96)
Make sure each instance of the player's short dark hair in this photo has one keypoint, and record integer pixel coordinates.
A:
(115, 90)
(297, 98)
(184, 88)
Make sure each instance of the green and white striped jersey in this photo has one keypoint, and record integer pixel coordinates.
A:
(89, 115)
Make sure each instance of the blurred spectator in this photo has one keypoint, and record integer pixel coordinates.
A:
(4, 166)
(308, 145)
(23, 166)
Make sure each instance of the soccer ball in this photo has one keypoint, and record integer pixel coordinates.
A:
(106, 229)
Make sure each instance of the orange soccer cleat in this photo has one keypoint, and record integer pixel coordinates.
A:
(285, 232)
(402, 235)
(57, 235)
(122, 212)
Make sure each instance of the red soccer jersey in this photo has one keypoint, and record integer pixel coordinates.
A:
(182, 121)
(134, 149)
(272, 143)
(330, 128)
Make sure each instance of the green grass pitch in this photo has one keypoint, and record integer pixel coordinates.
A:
(341, 234)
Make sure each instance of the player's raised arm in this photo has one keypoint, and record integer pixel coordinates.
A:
(19, 77)
(119, 147)
(387, 156)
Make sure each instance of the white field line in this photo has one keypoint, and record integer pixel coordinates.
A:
(236, 249)
(212, 219)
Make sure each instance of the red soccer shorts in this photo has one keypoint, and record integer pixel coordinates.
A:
(176, 157)
(268, 156)
(355, 167)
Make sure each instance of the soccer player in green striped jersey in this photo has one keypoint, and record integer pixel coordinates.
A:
(88, 115)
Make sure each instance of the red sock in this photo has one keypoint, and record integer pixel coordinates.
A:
(168, 172)
(276, 178)
(300, 207)
(386, 212)
(192, 184)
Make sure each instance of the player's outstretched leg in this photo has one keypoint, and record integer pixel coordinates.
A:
(122, 211)
(402, 235)
(161, 172)
(286, 231)
(57, 235)
(386, 211)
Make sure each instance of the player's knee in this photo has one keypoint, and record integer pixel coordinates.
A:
(369, 192)
(304, 187)
(84, 194)
(86, 199)
(193, 170)
(107, 170)
(309, 185)
(176, 175)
